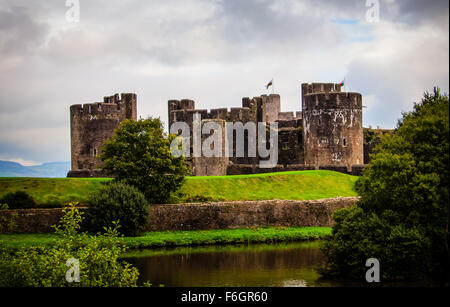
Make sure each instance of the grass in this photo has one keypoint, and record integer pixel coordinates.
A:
(188, 238)
(297, 185)
(52, 192)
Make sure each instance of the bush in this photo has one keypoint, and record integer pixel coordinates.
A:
(19, 200)
(46, 266)
(117, 202)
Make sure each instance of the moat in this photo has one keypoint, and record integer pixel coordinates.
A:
(260, 265)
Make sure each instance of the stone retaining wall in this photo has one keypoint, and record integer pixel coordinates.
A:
(242, 214)
(203, 216)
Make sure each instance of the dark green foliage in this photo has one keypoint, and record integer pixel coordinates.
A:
(139, 155)
(18, 200)
(374, 135)
(359, 236)
(117, 202)
(403, 214)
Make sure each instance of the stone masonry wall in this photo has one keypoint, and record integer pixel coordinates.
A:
(203, 216)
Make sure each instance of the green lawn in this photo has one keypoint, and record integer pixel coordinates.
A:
(52, 191)
(298, 185)
(189, 238)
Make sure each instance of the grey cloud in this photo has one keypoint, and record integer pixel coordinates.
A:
(212, 51)
(19, 31)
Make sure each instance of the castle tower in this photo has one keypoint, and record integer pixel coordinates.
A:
(91, 125)
(270, 108)
(332, 126)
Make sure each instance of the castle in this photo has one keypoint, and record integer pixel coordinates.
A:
(326, 134)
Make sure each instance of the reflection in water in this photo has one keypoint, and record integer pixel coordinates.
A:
(279, 265)
(260, 265)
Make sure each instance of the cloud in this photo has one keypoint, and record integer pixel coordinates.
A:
(214, 52)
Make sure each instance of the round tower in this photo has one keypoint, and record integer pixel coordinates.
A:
(332, 127)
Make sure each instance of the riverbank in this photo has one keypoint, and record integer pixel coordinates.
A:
(187, 238)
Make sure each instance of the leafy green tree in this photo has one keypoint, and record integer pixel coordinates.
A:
(139, 155)
(405, 195)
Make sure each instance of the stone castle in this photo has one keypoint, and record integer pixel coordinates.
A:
(326, 134)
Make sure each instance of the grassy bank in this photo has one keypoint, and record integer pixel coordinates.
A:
(189, 238)
(299, 185)
(52, 192)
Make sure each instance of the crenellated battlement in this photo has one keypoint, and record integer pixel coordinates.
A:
(309, 88)
(117, 105)
(332, 100)
(261, 108)
(232, 114)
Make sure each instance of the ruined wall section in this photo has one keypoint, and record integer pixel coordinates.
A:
(264, 108)
(290, 142)
(184, 111)
(332, 128)
(94, 123)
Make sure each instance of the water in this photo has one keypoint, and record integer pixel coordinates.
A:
(259, 265)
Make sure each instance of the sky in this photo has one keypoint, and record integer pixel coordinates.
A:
(212, 51)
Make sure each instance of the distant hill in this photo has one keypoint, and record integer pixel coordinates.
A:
(49, 170)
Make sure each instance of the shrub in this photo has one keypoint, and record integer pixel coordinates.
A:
(117, 202)
(19, 200)
(46, 266)
(4, 206)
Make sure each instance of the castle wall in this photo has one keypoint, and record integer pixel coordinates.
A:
(270, 108)
(200, 216)
(290, 142)
(212, 166)
(265, 108)
(92, 124)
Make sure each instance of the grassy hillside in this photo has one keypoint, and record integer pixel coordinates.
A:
(300, 185)
(297, 185)
(52, 191)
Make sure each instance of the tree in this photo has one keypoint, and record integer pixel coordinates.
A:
(405, 189)
(139, 155)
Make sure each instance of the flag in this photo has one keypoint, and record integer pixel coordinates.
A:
(269, 84)
(342, 83)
